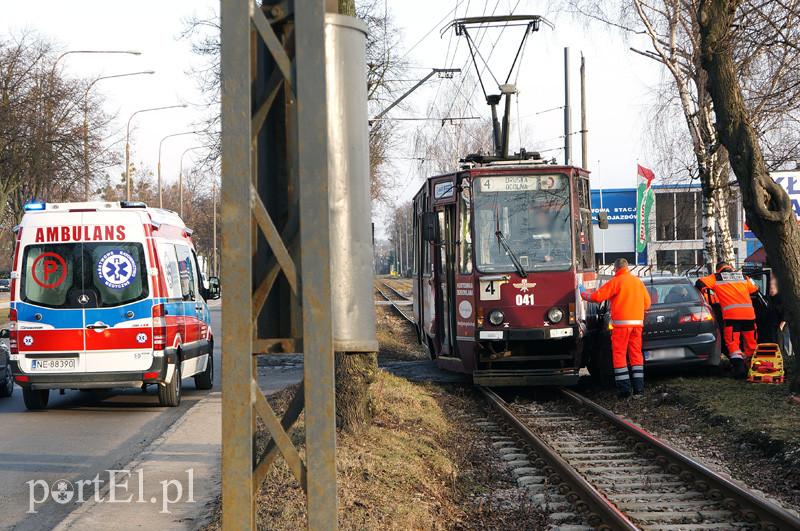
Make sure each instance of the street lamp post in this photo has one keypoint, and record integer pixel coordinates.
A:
(160, 201)
(180, 174)
(128, 143)
(47, 106)
(86, 176)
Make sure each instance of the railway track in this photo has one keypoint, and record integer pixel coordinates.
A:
(401, 303)
(599, 470)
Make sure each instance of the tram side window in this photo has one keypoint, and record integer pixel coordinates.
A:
(464, 233)
(583, 236)
(427, 270)
(417, 239)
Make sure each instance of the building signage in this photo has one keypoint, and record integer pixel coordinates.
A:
(620, 205)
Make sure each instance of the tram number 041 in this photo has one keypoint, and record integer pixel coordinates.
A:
(524, 300)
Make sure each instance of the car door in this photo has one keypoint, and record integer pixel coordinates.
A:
(192, 306)
(173, 294)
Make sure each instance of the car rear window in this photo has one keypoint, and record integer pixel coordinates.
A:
(673, 293)
(83, 275)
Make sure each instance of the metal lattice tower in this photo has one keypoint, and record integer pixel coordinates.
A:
(276, 249)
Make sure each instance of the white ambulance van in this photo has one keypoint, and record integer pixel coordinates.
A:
(107, 295)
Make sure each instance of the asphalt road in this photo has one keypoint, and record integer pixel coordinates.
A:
(77, 437)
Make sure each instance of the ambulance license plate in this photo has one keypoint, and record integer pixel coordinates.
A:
(54, 364)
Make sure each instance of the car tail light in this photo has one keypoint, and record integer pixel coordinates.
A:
(151, 375)
(696, 315)
(21, 378)
(12, 332)
(159, 327)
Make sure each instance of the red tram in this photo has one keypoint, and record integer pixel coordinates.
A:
(501, 247)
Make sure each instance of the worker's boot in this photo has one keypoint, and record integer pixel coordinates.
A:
(638, 387)
(739, 368)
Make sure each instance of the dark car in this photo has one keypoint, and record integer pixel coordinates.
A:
(6, 379)
(679, 328)
(5, 285)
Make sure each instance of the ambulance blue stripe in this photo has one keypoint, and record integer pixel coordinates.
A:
(70, 318)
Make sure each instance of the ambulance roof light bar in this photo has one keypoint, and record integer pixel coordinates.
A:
(133, 204)
(34, 205)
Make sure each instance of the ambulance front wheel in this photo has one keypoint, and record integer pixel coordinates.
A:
(35, 399)
(169, 395)
(7, 383)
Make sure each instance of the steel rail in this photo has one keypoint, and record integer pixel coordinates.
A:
(759, 509)
(396, 291)
(603, 514)
(393, 302)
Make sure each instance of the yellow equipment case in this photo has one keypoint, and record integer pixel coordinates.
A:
(766, 365)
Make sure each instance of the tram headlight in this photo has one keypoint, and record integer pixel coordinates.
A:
(555, 314)
(496, 317)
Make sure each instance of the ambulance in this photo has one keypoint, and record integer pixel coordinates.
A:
(107, 295)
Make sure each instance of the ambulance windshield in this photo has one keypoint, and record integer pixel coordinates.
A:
(83, 275)
(532, 213)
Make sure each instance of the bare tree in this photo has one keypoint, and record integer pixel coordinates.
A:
(767, 205)
(41, 129)
(672, 38)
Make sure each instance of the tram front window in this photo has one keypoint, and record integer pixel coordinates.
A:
(532, 213)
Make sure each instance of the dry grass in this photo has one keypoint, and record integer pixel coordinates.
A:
(421, 465)
(396, 337)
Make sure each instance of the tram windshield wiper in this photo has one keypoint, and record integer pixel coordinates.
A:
(502, 239)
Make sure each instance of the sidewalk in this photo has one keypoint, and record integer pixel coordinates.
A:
(193, 443)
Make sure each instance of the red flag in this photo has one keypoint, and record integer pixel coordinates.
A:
(645, 174)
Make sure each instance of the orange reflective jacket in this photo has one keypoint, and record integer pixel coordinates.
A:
(628, 296)
(733, 290)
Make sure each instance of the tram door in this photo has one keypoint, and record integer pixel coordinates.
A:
(445, 279)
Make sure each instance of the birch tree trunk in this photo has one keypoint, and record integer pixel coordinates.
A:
(767, 205)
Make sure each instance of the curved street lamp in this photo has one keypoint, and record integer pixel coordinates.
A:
(180, 173)
(160, 202)
(128, 143)
(86, 124)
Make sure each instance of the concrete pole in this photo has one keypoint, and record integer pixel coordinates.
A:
(86, 149)
(584, 129)
(214, 226)
(567, 113)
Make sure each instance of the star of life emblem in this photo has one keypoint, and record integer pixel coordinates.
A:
(524, 286)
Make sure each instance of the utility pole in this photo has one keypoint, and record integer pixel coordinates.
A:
(277, 217)
(567, 113)
(584, 128)
(214, 226)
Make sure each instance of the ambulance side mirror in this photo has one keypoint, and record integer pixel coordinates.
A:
(4, 334)
(214, 289)
(430, 227)
(602, 219)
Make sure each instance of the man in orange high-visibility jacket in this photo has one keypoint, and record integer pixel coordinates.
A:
(629, 300)
(733, 290)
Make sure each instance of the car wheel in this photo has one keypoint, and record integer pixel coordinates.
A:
(7, 383)
(205, 380)
(35, 399)
(169, 395)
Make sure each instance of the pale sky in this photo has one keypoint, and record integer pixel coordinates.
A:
(619, 81)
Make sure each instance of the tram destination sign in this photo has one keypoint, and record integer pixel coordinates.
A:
(521, 183)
